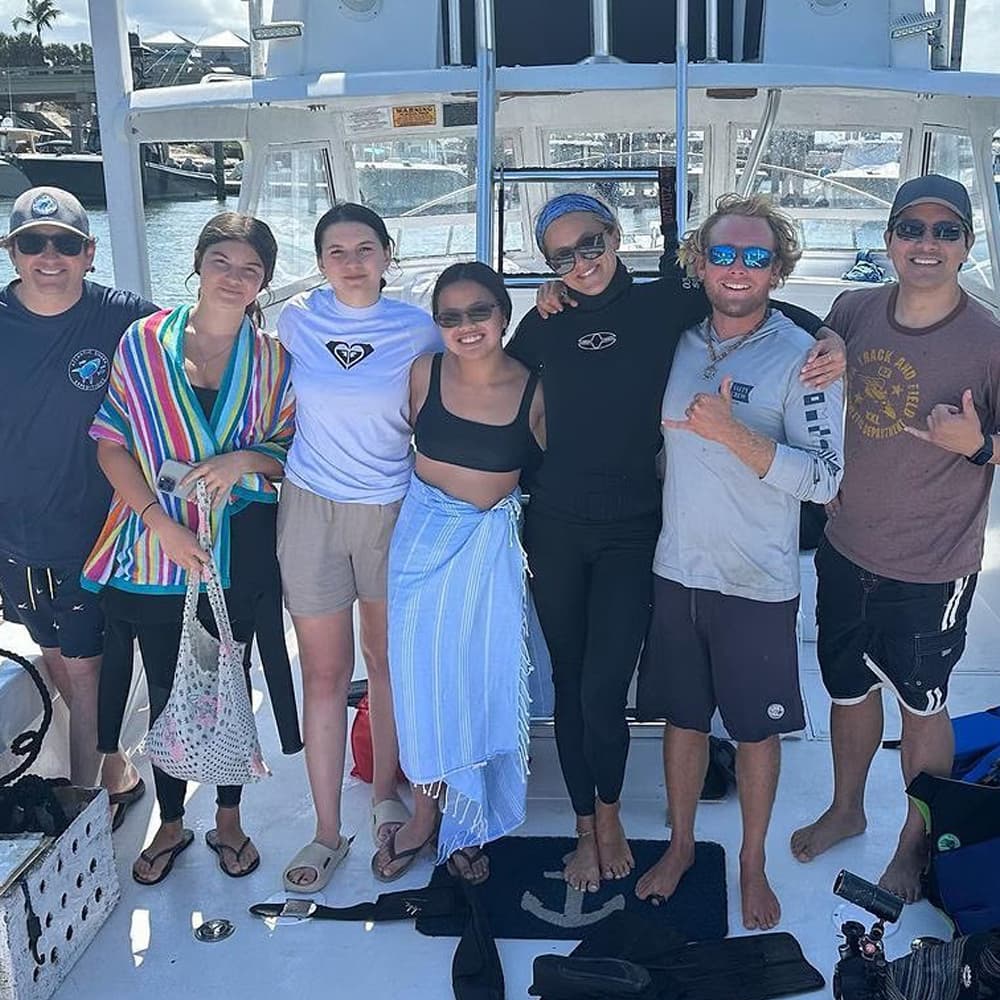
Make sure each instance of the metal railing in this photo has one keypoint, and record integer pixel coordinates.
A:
(486, 171)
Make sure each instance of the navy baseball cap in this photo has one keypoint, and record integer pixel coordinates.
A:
(933, 189)
(48, 206)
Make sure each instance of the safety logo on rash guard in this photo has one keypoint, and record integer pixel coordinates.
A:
(349, 355)
(598, 341)
(89, 369)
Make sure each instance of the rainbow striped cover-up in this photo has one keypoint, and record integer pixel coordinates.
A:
(151, 410)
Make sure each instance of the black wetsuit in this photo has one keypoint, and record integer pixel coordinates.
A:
(594, 516)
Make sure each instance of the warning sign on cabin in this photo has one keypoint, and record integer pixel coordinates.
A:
(410, 115)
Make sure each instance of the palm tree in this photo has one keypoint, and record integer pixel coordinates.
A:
(39, 15)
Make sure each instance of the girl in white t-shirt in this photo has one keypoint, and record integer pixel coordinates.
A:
(347, 472)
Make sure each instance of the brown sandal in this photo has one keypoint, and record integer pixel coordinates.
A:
(469, 856)
(380, 870)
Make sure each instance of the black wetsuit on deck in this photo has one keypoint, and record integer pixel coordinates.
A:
(594, 516)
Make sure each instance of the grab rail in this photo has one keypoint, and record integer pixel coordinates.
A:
(486, 93)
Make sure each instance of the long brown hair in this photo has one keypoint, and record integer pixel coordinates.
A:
(244, 229)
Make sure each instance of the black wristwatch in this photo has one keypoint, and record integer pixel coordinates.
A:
(985, 453)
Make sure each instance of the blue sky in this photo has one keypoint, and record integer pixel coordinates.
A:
(197, 18)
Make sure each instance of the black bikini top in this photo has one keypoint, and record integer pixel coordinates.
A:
(445, 437)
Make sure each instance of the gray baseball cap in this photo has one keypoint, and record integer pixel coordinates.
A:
(934, 189)
(48, 206)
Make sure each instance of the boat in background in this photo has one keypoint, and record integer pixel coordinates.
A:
(15, 139)
(83, 175)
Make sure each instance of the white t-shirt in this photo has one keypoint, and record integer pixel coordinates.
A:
(350, 369)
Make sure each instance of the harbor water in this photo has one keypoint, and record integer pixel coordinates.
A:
(172, 229)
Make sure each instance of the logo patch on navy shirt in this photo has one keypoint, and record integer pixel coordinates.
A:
(349, 355)
(741, 392)
(89, 369)
(598, 341)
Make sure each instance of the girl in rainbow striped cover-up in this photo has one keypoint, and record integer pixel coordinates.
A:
(202, 385)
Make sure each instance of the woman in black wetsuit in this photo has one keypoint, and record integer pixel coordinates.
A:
(594, 516)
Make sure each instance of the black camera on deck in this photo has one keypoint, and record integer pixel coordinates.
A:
(861, 973)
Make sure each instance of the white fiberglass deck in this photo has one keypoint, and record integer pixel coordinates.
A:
(147, 947)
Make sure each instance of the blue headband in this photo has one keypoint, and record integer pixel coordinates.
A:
(564, 204)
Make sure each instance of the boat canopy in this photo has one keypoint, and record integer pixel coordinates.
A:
(444, 117)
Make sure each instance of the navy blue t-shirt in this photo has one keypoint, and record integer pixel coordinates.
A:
(53, 375)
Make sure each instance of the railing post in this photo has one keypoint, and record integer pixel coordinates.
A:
(122, 178)
(255, 16)
(485, 127)
(681, 115)
(711, 31)
(454, 33)
(600, 33)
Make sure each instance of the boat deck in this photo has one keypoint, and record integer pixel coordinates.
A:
(147, 946)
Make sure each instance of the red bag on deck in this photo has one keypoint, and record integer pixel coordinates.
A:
(361, 743)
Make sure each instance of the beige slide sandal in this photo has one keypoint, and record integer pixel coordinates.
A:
(321, 859)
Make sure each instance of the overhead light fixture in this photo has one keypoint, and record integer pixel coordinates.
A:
(277, 29)
(907, 25)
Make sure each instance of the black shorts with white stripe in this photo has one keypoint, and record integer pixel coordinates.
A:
(877, 632)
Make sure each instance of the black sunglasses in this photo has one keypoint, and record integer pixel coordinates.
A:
(65, 244)
(588, 247)
(478, 313)
(913, 229)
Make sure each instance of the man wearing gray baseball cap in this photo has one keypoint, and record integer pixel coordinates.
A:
(898, 565)
(58, 334)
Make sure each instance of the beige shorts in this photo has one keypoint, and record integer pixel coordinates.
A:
(331, 553)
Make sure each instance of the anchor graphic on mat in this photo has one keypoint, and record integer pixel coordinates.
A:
(572, 914)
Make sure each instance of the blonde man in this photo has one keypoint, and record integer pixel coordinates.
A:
(745, 441)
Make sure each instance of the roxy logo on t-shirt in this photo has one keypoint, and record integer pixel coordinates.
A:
(349, 355)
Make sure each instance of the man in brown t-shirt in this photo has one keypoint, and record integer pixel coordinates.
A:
(897, 568)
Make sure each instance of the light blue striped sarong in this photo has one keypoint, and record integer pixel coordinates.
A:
(458, 660)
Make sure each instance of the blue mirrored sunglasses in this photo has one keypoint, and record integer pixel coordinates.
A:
(754, 258)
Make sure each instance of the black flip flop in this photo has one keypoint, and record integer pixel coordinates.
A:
(171, 853)
(121, 802)
(470, 855)
(220, 849)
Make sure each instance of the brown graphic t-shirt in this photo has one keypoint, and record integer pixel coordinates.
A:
(909, 509)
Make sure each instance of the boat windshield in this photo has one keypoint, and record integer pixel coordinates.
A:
(425, 189)
(837, 185)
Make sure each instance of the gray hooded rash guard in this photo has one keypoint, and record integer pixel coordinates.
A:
(724, 528)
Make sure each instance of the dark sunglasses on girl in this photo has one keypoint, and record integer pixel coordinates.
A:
(754, 258)
(588, 247)
(65, 244)
(478, 313)
(914, 229)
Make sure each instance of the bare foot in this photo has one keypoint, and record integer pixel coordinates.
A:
(661, 881)
(902, 876)
(761, 909)
(615, 855)
(583, 869)
(831, 828)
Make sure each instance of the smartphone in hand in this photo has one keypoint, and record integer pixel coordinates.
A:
(169, 478)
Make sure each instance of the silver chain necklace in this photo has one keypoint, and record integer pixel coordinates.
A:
(717, 357)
